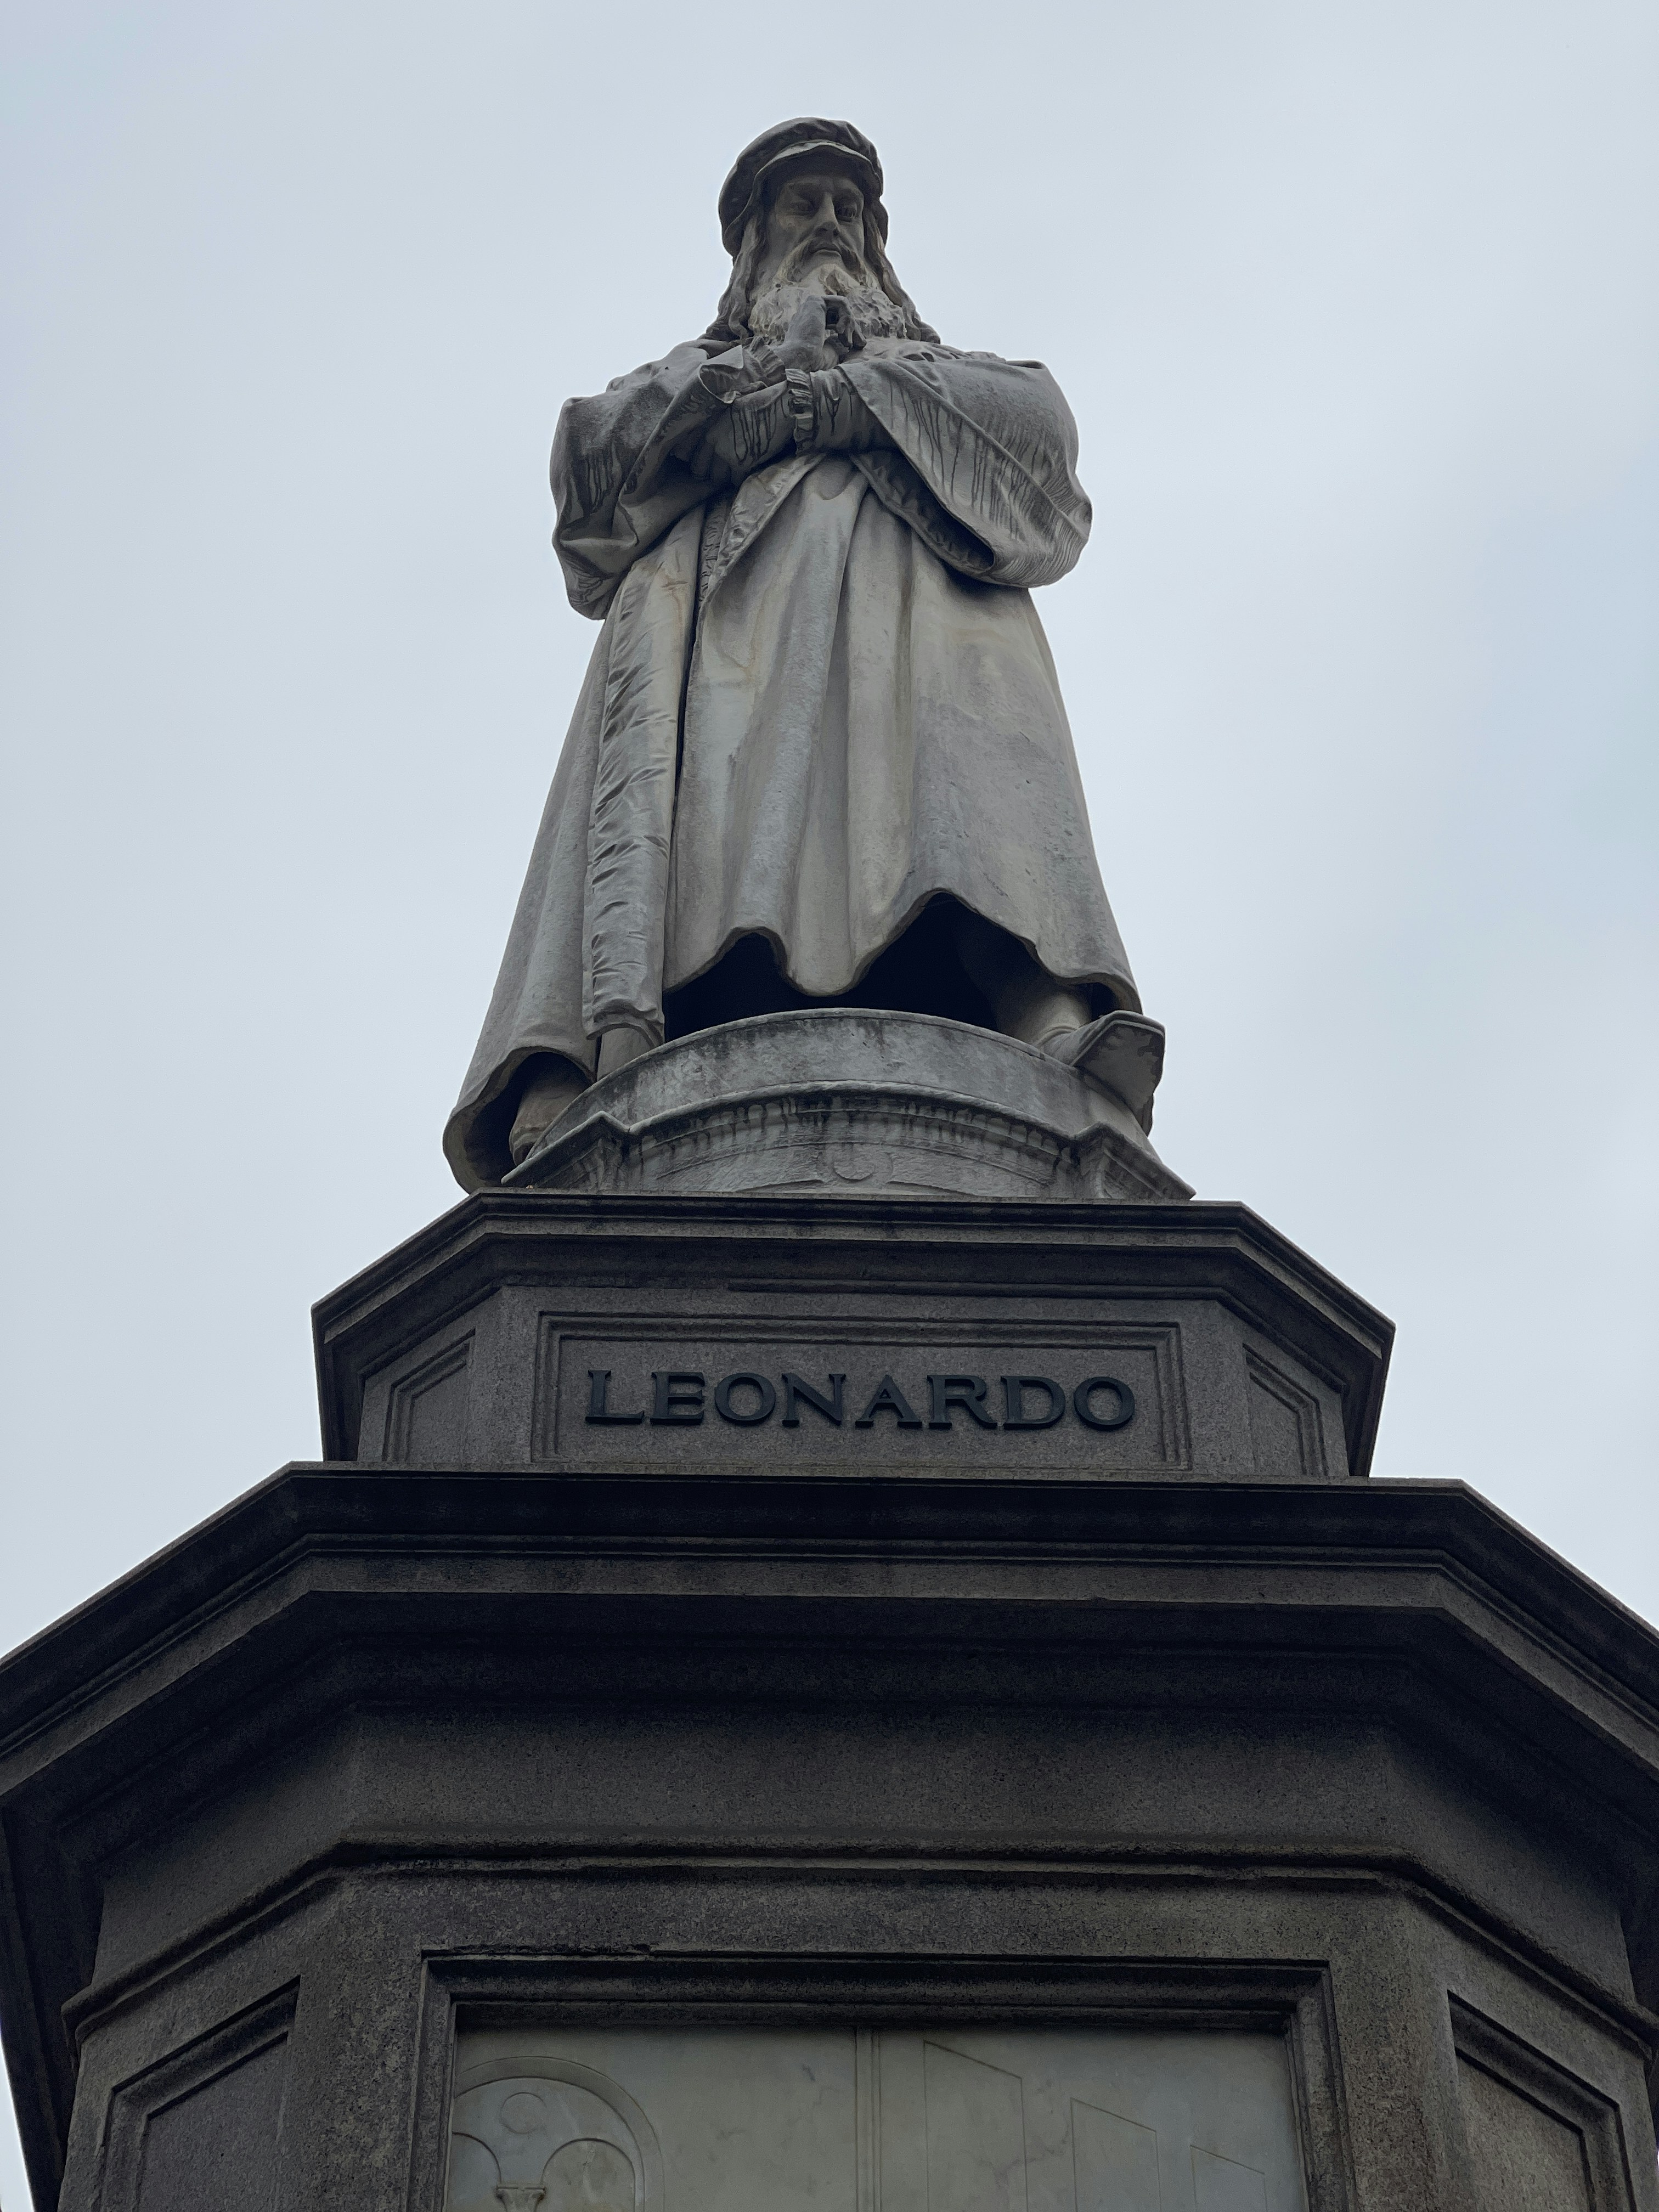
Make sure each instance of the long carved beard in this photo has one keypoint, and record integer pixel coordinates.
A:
(870, 312)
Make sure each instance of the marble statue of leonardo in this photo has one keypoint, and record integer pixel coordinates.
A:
(820, 757)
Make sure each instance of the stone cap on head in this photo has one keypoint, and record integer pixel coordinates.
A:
(806, 135)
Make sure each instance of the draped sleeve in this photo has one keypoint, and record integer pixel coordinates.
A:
(982, 464)
(618, 485)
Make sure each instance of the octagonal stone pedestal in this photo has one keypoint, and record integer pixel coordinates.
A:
(952, 1819)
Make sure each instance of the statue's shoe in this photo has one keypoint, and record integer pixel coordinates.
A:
(1122, 1052)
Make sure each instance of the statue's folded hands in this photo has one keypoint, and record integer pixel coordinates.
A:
(830, 415)
(748, 431)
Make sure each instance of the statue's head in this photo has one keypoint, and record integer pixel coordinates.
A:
(802, 211)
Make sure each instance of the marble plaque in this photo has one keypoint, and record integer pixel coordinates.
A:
(841, 2119)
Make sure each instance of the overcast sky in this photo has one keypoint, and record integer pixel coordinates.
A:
(1358, 308)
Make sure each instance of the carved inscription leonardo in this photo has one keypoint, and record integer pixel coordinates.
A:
(746, 1398)
(1099, 1399)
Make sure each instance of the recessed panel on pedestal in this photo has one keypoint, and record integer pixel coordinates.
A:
(732, 1387)
(842, 2119)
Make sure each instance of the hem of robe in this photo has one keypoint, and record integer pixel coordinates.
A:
(1118, 982)
(476, 1134)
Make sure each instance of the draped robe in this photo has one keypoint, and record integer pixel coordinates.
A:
(815, 704)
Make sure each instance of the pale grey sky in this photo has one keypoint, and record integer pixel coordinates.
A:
(1358, 308)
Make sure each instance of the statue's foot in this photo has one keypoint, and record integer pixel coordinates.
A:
(1122, 1052)
(618, 1047)
(554, 1084)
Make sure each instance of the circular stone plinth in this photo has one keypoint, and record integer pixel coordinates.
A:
(839, 1101)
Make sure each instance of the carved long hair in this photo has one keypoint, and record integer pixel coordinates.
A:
(730, 320)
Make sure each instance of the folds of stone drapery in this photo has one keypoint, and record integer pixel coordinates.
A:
(585, 948)
(981, 471)
(983, 446)
(982, 464)
(631, 814)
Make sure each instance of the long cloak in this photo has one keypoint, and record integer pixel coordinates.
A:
(813, 706)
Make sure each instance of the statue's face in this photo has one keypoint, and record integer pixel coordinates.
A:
(816, 222)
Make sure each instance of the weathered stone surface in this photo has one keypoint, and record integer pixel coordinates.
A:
(377, 1757)
(531, 1328)
(842, 1100)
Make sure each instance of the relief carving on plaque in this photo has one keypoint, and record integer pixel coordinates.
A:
(538, 2134)
(842, 2119)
